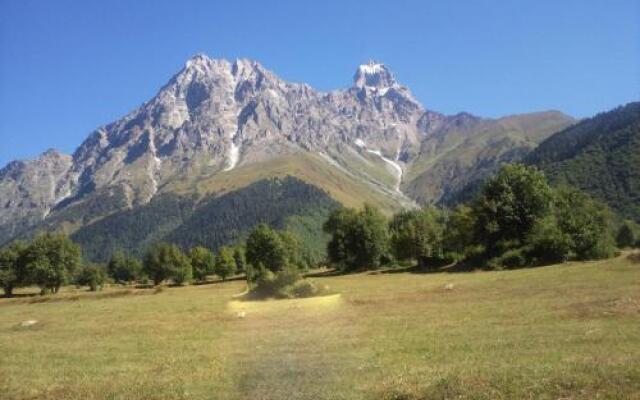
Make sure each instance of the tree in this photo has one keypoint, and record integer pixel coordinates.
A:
(510, 204)
(587, 222)
(340, 226)
(92, 275)
(238, 255)
(359, 239)
(293, 250)
(548, 243)
(123, 268)
(225, 265)
(202, 262)
(13, 271)
(627, 235)
(265, 248)
(51, 260)
(459, 234)
(166, 261)
(417, 234)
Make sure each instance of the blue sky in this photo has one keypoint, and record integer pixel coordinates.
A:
(68, 67)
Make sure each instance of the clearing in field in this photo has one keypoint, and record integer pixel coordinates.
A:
(566, 331)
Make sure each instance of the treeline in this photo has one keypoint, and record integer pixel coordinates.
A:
(271, 260)
(516, 221)
(51, 261)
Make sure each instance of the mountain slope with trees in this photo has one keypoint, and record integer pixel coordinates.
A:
(601, 156)
(215, 221)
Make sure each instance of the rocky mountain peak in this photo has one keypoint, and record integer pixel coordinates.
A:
(53, 154)
(216, 115)
(374, 75)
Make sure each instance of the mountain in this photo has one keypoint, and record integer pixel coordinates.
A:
(600, 155)
(218, 126)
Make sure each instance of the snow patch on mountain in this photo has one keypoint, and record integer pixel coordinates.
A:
(234, 151)
(371, 68)
(393, 163)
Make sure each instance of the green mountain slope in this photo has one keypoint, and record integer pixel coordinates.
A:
(600, 155)
(281, 202)
(460, 155)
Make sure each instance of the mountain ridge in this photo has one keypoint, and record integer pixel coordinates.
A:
(215, 116)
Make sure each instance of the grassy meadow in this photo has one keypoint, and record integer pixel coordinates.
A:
(570, 331)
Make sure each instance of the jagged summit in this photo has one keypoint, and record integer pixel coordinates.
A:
(374, 75)
(206, 65)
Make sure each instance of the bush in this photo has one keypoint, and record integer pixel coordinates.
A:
(303, 288)
(92, 275)
(514, 258)
(283, 285)
(548, 243)
(628, 235)
(587, 222)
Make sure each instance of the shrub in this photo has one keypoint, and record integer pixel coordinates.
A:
(627, 235)
(303, 288)
(548, 243)
(92, 275)
(514, 258)
(587, 222)
(283, 284)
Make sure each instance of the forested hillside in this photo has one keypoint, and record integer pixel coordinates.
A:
(215, 221)
(600, 155)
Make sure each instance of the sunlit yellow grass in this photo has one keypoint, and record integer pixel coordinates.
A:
(568, 331)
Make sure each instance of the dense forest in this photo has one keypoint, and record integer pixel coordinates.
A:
(280, 203)
(215, 221)
(601, 156)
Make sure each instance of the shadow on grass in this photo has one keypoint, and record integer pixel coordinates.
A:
(19, 295)
(435, 267)
(256, 296)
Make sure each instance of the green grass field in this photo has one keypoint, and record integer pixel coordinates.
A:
(569, 331)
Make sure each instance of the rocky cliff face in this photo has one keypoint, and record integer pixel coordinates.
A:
(216, 116)
(30, 189)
